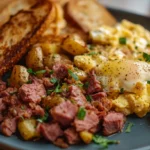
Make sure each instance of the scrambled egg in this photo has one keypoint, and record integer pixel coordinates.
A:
(121, 57)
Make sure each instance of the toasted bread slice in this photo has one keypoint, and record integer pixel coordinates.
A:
(12, 7)
(89, 14)
(18, 32)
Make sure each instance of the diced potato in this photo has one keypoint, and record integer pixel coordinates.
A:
(84, 62)
(74, 46)
(81, 74)
(50, 48)
(86, 136)
(19, 76)
(27, 129)
(51, 101)
(34, 58)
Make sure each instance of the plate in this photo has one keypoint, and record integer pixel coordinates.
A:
(137, 139)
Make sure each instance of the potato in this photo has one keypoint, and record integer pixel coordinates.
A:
(80, 73)
(50, 48)
(27, 129)
(51, 101)
(19, 76)
(74, 46)
(84, 62)
(34, 58)
(86, 136)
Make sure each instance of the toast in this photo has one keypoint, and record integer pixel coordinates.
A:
(88, 14)
(17, 34)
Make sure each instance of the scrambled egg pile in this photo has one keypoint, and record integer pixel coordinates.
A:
(121, 56)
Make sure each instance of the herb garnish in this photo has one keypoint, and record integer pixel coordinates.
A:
(89, 98)
(146, 57)
(103, 141)
(92, 53)
(73, 75)
(44, 118)
(128, 129)
(30, 70)
(54, 80)
(86, 85)
(40, 72)
(121, 90)
(122, 40)
(148, 82)
(81, 113)
(51, 72)
(90, 46)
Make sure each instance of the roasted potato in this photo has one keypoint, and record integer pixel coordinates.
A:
(50, 48)
(86, 136)
(27, 129)
(34, 58)
(19, 76)
(80, 73)
(74, 46)
(51, 101)
(84, 62)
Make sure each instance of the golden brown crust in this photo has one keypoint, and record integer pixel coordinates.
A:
(19, 31)
(89, 14)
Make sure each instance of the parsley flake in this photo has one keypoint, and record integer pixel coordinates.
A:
(53, 80)
(30, 71)
(44, 118)
(51, 72)
(146, 57)
(73, 75)
(89, 98)
(122, 40)
(103, 141)
(128, 129)
(81, 113)
(148, 82)
(40, 72)
(86, 85)
(92, 53)
(57, 89)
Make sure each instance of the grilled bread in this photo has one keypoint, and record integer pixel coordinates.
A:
(20, 30)
(89, 14)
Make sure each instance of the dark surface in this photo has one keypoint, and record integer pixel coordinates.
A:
(138, 138)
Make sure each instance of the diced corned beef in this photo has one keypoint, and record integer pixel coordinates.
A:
(60, 142)
(9, 91)
(64, 113)
(95, 129)
(99, 95)
(93, 84)
(8, 126)
(91, 120)
(102, 104)
(113, 122)
(2, 105)
(60, 71)
(38, 111)
(47, 83)
(2, 85)
(10, 100)
(50, 131)
(72, 136)
(32, 92)
(77, 95)
(1, 117)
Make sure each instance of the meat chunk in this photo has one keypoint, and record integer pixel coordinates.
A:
(32, 92)
(72, 136)
(2, 85)
(90, 121)
(99, 95)
(93, 84)
(8, 126)
(113, 122)
(9, 91)
(61, 143)
(50, 131)
(60, 71)
(2, 105)
(47, 83)
(77, 95)
(64, 113)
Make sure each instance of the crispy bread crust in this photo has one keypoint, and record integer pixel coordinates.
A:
(17, 34)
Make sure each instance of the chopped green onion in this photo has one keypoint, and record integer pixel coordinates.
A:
(40, 72)
(51, 72)
(148, 82)
(103, 141)
(92, 53)
(44, 118)
(146, 57)
(81, 113)
(54, 80)
(73, 75)
(86, 85)
(122, 40)
(128, 129)
(30, 71)
(89, 98)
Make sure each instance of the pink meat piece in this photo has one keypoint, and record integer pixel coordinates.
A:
(32, 92)
(113, 122)
(50, 131)
(90, 121)
(64, 113)
(72, 136)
